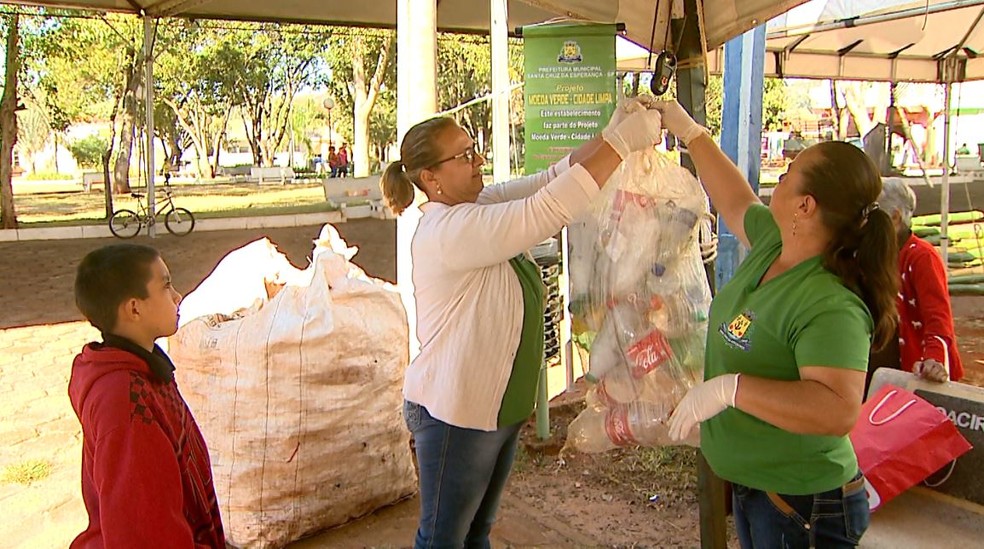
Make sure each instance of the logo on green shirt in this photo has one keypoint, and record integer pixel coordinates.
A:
(734, 332)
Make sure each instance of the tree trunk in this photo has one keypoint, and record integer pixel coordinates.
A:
(8, 126)
(107, 157)
(855, 104)
(121, 170)
(835, 109)
(366, 89)
(217, 144)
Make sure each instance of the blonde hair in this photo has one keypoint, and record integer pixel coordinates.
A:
(420, 150)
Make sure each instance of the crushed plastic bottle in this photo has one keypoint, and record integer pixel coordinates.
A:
(638, 423)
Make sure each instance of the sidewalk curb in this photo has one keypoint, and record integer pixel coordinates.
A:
(216, 224)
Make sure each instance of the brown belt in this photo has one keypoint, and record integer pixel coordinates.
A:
(848, 489)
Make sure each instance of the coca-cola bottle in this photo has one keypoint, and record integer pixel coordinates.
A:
(619, 388)
(634, 424)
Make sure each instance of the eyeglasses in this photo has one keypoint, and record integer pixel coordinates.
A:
(469, 155)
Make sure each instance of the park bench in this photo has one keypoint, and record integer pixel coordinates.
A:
(356, 196)
(273, 173)
(92, 178)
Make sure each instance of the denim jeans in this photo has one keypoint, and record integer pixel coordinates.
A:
(462, 475)
(836, 518)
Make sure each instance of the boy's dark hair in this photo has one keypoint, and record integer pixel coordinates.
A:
(109, 276)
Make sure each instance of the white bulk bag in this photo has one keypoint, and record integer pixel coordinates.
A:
(299, 396)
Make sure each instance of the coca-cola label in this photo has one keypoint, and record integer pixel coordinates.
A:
(617, 427)
(649, 353)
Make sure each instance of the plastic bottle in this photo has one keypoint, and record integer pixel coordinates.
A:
(623, 324)
(619, 387)
(637, 423)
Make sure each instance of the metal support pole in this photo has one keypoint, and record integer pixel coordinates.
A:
(148, 47)
(500, 90)
(741, 130)
(945, 191)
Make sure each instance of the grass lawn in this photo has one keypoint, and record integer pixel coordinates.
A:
(78, 207)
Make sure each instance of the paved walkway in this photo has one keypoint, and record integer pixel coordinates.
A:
(40, 332)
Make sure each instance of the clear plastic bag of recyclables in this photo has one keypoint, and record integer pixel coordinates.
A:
(640, 298)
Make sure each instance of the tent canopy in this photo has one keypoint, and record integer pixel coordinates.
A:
(877, 40)
(722, 19)
(900, 40)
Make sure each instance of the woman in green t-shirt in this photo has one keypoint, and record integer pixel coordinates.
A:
(788, 340)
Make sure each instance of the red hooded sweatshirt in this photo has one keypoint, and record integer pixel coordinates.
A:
(146, 475)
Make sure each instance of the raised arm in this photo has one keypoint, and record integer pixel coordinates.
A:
(728, 190)
(524, 187)
(488, 234)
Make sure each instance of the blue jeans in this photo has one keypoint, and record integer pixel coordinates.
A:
(462, 475)
(836, 518)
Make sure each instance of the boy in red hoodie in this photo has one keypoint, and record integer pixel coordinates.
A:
(146, 475)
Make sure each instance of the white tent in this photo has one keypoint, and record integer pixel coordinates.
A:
(888, 40)
(926, 41)
(722, 19)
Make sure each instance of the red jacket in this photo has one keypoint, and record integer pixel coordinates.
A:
(146, 475)
(925, 317)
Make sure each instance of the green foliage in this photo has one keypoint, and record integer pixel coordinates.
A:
(49, 176)
(775, 103)
(465, 74)
(33, 131)
(88, 151)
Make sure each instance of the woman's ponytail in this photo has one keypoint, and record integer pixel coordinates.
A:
(397, 188)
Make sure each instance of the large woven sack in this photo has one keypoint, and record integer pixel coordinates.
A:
(298, 396)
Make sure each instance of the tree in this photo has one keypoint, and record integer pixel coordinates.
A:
(465, 75)
(361, 65)
(104, 86)
(88, 151)
(274, 62)
(775, 103)
(8, 124)
(197, 78)
(33, 134)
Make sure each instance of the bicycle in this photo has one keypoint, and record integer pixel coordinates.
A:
(127, 223)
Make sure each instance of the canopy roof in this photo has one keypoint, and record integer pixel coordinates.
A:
(900, 40)
(722, 19)
(877, 40)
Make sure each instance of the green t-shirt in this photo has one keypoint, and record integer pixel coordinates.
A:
(520, 396)
(803, 317)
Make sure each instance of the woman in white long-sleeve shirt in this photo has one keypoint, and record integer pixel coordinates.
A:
(480, 309)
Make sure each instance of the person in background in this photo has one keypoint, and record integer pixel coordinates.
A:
(926, 344)
(788, 340)
(963, 149)
(479, 306)
(343, 160)
(332, 162)
(146, 473)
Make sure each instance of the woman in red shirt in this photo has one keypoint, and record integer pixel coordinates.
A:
(927, 343)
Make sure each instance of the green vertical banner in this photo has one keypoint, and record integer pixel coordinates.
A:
(570, 88)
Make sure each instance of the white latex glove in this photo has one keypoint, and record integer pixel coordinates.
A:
(628, 106)
(703, 402)
(931, 370)
(678, 122)
(638, 131)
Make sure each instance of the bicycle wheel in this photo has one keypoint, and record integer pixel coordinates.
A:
(125, 224)
(179, 221)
